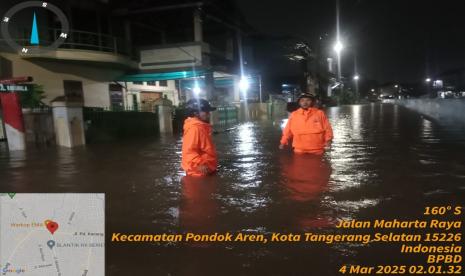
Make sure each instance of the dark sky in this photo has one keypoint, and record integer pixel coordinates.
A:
(394, 40)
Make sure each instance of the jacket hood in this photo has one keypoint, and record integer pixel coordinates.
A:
(192, 122)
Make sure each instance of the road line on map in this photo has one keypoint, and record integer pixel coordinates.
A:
(16, 248)
(90, 253)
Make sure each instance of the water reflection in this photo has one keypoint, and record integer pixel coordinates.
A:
(199, 207)
(356, 122)
(246, 139)
(66, 163)
(382, 157)
(306, 176)
(305, 179)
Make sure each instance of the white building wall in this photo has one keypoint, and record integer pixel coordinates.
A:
(51, 74)
(174, 56)
(170, 91)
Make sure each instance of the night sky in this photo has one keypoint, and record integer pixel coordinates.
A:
(393, 40)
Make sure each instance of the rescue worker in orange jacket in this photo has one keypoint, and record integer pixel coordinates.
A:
(198, 152)
(308, 128)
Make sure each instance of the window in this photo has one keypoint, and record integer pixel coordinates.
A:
(116, 96)
(138, 82)
(73, 90)
(163, 83)
(152, 83)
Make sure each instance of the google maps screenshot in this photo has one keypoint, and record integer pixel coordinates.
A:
(232, 137)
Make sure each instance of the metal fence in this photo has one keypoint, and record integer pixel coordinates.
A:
(225, 114)
(103, 125)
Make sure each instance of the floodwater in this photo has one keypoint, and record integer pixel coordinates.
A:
(385, 162)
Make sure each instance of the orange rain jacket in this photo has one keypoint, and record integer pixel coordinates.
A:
(309, 130)
(197, 147)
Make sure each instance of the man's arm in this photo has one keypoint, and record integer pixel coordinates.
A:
(287, 133)
(192, 151)
(327, 128)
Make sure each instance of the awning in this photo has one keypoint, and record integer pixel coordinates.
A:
(162, 76)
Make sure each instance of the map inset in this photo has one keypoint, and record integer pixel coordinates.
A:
(52, 234)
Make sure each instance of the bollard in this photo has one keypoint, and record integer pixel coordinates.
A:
(69, 126)
(165, 118)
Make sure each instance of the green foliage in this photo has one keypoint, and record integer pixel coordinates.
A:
(344, 97)
(33, 97)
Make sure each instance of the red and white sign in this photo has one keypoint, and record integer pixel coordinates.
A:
(13, 115)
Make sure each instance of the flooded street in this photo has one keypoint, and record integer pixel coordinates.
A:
(385, 162)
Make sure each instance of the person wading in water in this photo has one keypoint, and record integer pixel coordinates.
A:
(198, 151)
(308, 128)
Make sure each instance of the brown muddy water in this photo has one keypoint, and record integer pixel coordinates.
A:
(385, 162)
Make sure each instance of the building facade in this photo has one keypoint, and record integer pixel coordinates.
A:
(115, 52)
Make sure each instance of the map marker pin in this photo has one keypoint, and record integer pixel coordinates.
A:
(51, 244)
(51, 226)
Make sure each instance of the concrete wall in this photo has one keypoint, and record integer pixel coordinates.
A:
(276, 109)
(172, 56)
(39, 127)
(253, 111)
(444, 111)
(51, 74)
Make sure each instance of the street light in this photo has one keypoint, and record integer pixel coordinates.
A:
(428, 80)
(356, 78)
(244, 84)
(396, 86)
(338, 47)
(196, 89)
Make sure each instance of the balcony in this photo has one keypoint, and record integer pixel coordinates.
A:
(174, 56)
(85, 47)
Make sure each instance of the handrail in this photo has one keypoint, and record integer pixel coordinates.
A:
(82, 40)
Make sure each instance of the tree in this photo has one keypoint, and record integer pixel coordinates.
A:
(33, 97)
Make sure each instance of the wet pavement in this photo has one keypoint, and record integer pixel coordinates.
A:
(385, 162)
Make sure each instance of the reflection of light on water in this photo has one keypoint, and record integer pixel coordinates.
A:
(427, 127)
(247, 163)
(347, 208)
(333, 112)
(349, 156)
(347, 181)
(247, 139)
(247, 154)
(249, 203)
(427, 132)
(356, 121)
(395, 121)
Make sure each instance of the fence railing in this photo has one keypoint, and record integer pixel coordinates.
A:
(81, 40)
(225, 115)
(133, 108)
